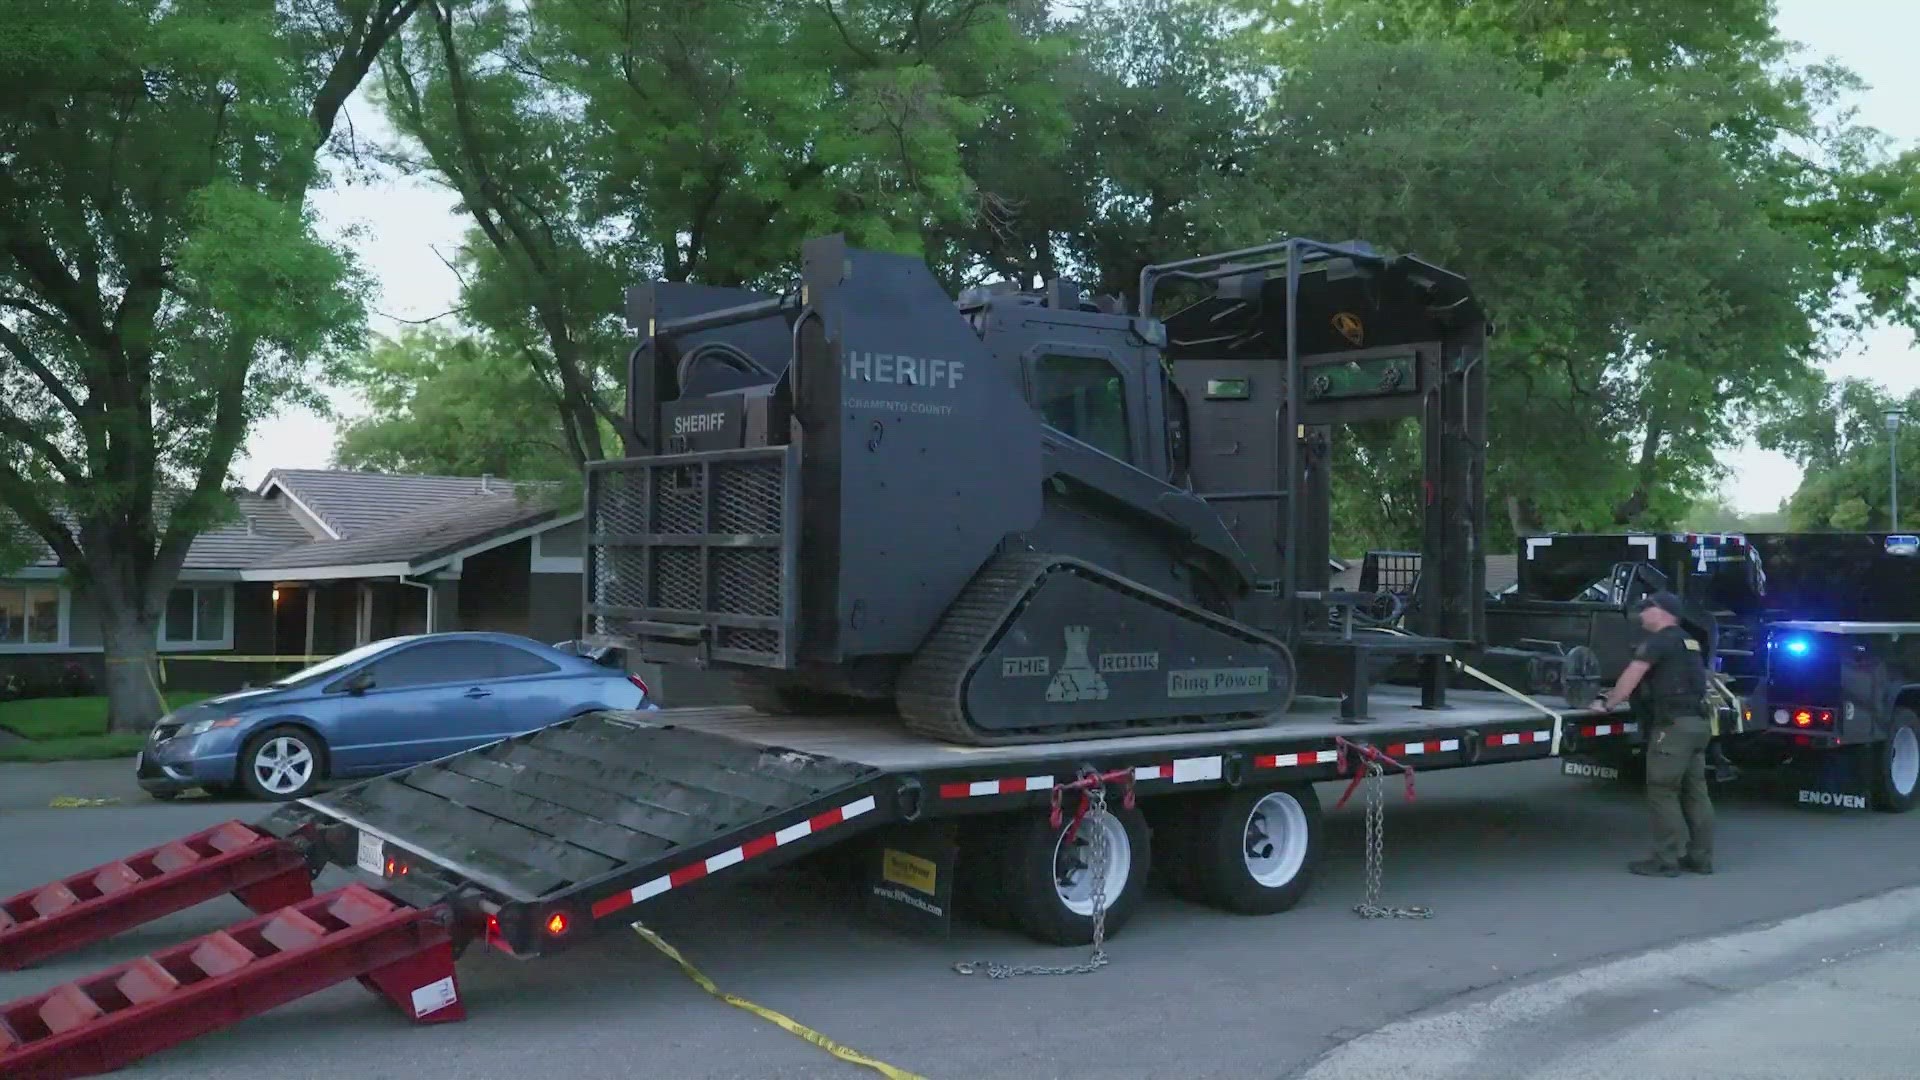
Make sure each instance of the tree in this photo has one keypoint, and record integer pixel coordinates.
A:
(454, 404)
(1647, 310)
(596, 144)
(1821, 180)
(1839, 437)
(162, 285)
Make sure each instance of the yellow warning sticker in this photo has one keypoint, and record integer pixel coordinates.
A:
(910, 870)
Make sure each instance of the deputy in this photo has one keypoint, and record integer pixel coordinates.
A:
(1669, 661)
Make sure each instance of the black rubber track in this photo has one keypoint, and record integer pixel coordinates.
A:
(931, 691)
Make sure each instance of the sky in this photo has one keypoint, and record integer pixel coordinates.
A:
(402, 223)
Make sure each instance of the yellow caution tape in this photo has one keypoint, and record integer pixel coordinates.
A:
(787, 1022)
(68, 802)
(1558, 722)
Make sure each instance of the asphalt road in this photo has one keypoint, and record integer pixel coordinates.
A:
(1524, 870)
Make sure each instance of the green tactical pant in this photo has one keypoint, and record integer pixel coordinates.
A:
(1677, 790)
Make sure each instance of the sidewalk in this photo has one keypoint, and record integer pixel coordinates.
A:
(1833, 993)
(1853, 1017)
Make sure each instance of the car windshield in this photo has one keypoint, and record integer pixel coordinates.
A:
(335, 663)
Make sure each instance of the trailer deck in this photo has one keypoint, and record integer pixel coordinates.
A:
(550, 832)
(883, 743)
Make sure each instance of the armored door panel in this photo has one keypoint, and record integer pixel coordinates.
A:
(1234, 410)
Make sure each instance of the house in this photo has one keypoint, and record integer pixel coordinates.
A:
(323, 560)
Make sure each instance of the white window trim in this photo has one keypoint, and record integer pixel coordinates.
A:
(555, 564)
(66, 622)
(224, 643)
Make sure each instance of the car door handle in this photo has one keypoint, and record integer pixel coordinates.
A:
(479, 692)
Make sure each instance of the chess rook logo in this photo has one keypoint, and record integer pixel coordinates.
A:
(1077, 680)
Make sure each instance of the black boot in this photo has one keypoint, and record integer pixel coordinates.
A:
(1654, 868)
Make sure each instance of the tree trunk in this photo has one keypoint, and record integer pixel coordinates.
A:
(1523, 516)
(133, 686)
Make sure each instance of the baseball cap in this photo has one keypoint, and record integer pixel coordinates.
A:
(1663, 600)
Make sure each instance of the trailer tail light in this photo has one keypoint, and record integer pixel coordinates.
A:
(1804, 717)
(557, 923)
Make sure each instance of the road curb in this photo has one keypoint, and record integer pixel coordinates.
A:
(1596, 1003)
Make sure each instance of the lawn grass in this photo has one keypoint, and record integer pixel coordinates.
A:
(72, 728)
(122, 744)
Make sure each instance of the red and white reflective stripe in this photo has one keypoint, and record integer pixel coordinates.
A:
(1288, 761)
(758, 846)
(1594, 731)
(1008, 785)
(1431, 746)
(1183, 771)
(1519, 738)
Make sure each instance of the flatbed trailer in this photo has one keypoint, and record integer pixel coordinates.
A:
(527, 845)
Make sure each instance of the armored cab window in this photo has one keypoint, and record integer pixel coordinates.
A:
(1085, 397)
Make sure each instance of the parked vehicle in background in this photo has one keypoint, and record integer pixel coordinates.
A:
(384, 706)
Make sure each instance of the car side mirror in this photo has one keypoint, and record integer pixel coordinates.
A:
(358, 683)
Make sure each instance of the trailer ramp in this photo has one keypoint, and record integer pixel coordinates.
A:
(114, 1017)
(551, 831)
(263, 872)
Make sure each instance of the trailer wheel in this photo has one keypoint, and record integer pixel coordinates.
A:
(1253, 852)
(1897, 765)
(1049, 887)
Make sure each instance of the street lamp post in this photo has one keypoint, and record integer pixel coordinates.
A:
(1894, 416)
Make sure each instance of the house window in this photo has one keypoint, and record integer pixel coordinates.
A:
(196, 615)
(1084, 397)
(29, 615)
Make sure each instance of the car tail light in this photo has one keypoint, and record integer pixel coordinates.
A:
(639, 682)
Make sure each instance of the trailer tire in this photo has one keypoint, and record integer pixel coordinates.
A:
(1252, 852)
(1896, 773)
(1034, 893)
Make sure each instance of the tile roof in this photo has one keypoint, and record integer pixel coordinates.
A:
(419, 536)
(381, 518)
(351, 502)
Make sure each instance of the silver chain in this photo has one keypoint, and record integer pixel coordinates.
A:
(1376, 852)
(1096, 809)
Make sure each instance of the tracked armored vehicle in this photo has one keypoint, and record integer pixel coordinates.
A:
(1024, 515)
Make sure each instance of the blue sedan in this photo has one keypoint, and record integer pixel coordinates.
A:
(381, 707)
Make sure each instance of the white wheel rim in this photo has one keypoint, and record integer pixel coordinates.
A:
(1274, 843)
(1906, 760)
(283, 765)
(1073, 864)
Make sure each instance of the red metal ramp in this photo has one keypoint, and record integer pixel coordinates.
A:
(110, 1019)
(264, 872)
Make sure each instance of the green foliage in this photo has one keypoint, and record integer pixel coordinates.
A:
(598, 144)
(162, 285)
(1839, 436)
(453, 405)
(1714, 513)
(1647, 310)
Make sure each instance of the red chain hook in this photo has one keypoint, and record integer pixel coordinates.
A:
(1084, 786)
(1368, 753)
